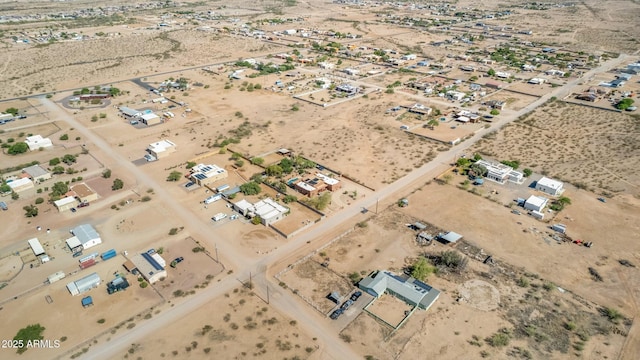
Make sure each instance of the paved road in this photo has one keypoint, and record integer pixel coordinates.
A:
(282, 300)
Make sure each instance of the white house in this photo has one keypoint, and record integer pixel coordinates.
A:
(550, 186)
(501, 173)
(536, 203)
(36, 142)
(21, 184)
(268, 210)
(409, 57)
(161, 148)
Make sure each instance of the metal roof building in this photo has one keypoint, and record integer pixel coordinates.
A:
(85, 284)
(84, 235)
(409, 290)
(36, 246)
(550, 186)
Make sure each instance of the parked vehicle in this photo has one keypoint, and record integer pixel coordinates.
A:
(83, 204)
(601, 199)
(356, 295)
(3, 206)
(219, 216)
(347, 304)
(336, 314)
(176, 261)
(73, 210)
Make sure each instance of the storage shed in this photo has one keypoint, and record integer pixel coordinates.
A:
(449, 237)
(85, 284)
(84, 235)
(36, 246)
(536, 203)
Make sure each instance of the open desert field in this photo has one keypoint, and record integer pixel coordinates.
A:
(587, 147)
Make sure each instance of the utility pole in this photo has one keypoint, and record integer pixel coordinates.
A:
(218, 261)
(377, 200)
(250, 281)
(267, 294)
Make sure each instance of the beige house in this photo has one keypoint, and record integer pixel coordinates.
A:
(202, 174)
(21, 184)
(65, 203)
(37, 173)
(84, 193)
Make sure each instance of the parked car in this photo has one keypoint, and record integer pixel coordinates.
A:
(336, 314)
(517, 212)
(189, 184)
(346, 304)
(73, 210)
(83, 204)
(79, 253)
(176, 261)
(601, 199)
(356, 295)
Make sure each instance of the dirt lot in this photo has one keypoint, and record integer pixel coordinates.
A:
(390, 309)
(231, 327)
(565, 141)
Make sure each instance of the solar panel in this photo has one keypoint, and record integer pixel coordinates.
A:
(152, 261)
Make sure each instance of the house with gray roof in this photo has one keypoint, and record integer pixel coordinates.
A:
(84, 236)
(407, 289)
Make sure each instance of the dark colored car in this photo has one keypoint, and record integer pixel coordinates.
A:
(346, 304)
(336, 314)
(356, 295)
(73, 210)
(84, 204)
(176, 261)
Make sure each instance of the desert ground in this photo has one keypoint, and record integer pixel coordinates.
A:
(538, 298)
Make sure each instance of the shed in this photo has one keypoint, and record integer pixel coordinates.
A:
(36, 246)
(59, 275)
(450, 237)
(150, 119)
(335, 297)
(419, 226)
(85, 284)
(87, 301)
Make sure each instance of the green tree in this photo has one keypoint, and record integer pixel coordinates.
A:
(114, 91)
(30, 211)
(190, 164)
(174, 176)
(491, 72)
(59, 188)
(117, 184)
(289, 198)
(13, 111)
(462, 162)
(64, 137)
(29, 333)
(478, 170)
(527, 172)
(39, 201)
(55, 161)
(274, 170)
(257, 161)
(58, 170)
(18, 148)
(14, 195)
(513, 163)
(286, 165)
(106, 173)
(250, 188)
(494, 112)
(624, 103)
(69, 159)
(256, 220)
(4, 188)
(421, 269)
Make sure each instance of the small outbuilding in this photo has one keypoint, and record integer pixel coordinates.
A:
(536, 203)
(21, 184)
(35, 245)
(449, 237)
(550, 186)
(83, 285)
(36, 142)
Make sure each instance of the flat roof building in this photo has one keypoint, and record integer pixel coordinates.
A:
(36, 142)
(66, 203)
(409, 290)
(84, 235)
(501, 173)
(150, 119)
(161, 148)
(37, 173)
(536, 203)
(203, 174)
(550, 186)
(150, 268)
(84, 193)
(85, 284)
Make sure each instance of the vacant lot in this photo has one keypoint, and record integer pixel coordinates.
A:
(588, 147)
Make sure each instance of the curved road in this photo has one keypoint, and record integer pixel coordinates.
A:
(314, 324)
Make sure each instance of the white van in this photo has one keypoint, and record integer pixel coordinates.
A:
(219, 216)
